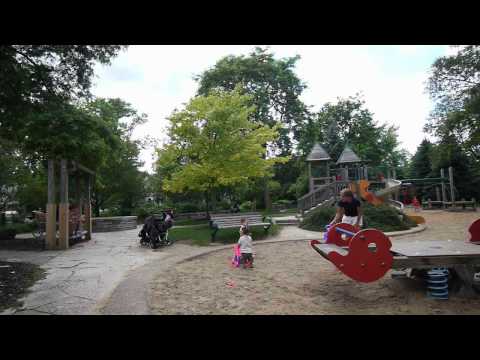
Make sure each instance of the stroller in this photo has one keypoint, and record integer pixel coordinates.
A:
(154, 232)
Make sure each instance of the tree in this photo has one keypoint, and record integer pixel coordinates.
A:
(455, 87)
(35, 79)
(466, 176)
(213, 143)
(274, 88)
(421, 163)
(348, 121)
(119, 182)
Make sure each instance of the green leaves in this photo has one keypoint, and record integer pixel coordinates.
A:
(213, 144)
(274, 88)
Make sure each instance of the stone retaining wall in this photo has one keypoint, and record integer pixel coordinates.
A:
(116, 223)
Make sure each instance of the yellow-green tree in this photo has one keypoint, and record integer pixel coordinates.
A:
(214, 143)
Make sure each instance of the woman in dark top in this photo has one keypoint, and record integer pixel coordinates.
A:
(348, 210)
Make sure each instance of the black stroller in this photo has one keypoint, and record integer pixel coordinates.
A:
(154, 232)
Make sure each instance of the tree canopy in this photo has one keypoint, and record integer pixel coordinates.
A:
(214, 143)
(274, 88)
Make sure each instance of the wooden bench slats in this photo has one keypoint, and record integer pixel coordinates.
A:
(228, 221)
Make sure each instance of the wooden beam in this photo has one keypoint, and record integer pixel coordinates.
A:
(51, 218)
(452, 190)
(444, 192)
(83, 168)
(63, 207)
(88, 210)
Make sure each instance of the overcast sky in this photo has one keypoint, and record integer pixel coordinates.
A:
(157, 79)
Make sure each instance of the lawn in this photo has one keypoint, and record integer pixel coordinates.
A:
(201, 235)
(190, 222)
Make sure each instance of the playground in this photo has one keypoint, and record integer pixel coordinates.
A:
(290, 278)
(109, 205)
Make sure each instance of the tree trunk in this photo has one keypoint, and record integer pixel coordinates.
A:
(207, 204)
(268, 200)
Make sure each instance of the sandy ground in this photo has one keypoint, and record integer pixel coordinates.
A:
(291, 278)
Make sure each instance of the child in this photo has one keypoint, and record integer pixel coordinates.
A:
(246, 249)
(243, 225)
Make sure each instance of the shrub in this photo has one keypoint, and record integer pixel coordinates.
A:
(224, 204)
(317, 219)
(382, 217)
(187, 207)
(8, 231)
(246, 206)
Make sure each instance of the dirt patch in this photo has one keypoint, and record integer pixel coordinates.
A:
(15, 279)
(291, 278)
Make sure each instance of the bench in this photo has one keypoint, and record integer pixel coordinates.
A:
(229, 221)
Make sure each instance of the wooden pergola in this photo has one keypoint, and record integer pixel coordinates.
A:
(80, 172)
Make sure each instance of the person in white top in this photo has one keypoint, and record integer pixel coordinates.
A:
(246, 248)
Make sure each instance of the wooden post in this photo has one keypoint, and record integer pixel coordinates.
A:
(79, 199)
(437, 192)
(88, 210)
(452, 192)
(63, 207)
(310, 180)
(444, 193)
(51, 225)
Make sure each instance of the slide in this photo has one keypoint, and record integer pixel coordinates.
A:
(377, 198)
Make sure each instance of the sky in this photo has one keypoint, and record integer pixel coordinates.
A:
(156, 79)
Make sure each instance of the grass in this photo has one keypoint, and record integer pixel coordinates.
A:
(201, 235)
(190, 222)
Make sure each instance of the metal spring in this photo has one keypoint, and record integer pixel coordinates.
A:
(437, 283)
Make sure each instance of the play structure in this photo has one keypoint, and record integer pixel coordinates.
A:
(442, 189)
(373, 186)
(66, 225)
(325, 183)
(367, 255)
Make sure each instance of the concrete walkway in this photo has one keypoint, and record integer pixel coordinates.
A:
(81, 277)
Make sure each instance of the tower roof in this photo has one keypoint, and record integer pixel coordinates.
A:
(348, 156)
(318, 153)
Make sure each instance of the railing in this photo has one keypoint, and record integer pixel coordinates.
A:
(320, 194)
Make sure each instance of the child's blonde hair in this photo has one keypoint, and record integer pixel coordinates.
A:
(245, 231)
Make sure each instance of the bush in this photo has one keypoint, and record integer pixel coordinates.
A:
(384, 218)
(317, 219)
(224, 204)
(187, 207)
(147, 209)
(8, 231)
(246, 206)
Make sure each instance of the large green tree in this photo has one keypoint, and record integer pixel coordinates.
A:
(421, 163)
(214, 143)
(275, 92)
(273, 85)
(455, 87)
(348, 121)
(36, 79)
(119, 184)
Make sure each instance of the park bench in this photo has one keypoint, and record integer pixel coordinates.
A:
(463, 204)
(229, 221)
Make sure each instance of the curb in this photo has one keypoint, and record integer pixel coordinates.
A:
(419, 228)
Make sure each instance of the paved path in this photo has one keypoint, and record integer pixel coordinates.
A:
(81, 277)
